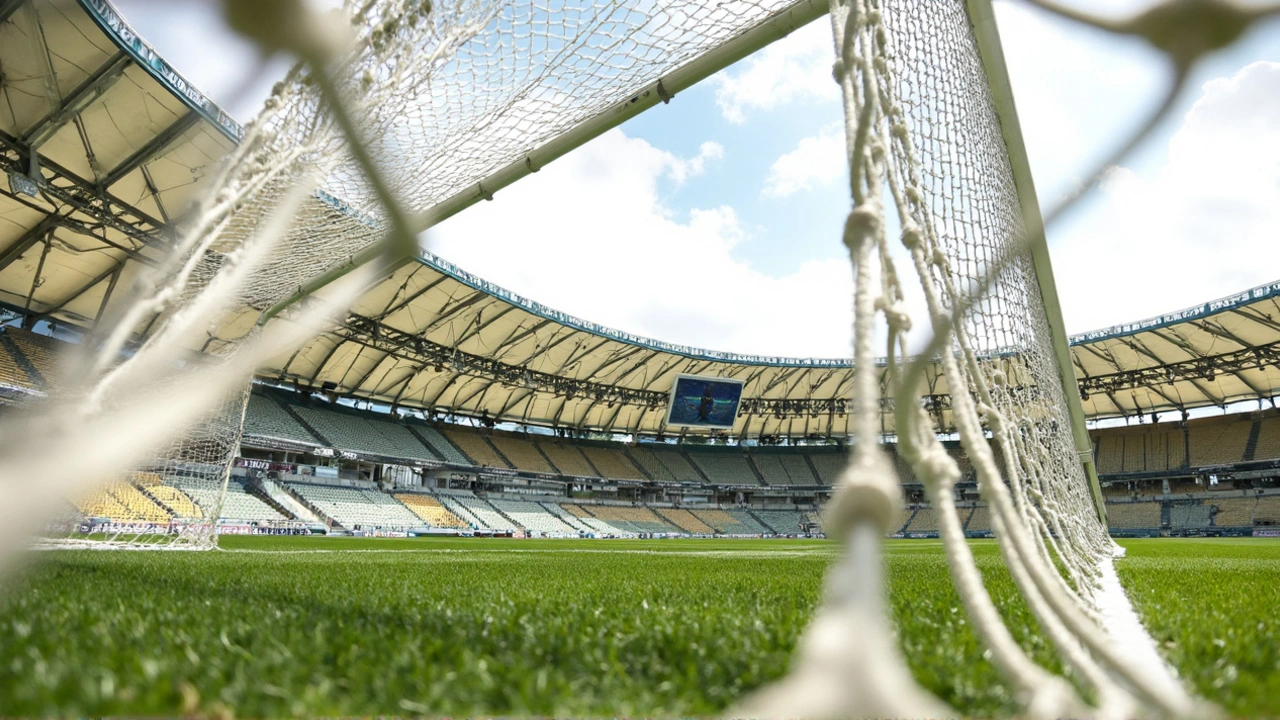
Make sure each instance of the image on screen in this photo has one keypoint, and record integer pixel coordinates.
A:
(704, 402)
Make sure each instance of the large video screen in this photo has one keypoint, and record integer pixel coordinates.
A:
(704, 402)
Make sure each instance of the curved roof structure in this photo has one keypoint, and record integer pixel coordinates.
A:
(103, 144)
(121, 140)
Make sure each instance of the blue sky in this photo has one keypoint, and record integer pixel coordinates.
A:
(743, 174)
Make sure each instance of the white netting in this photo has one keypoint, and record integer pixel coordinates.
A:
(925, 136)
(438, 96)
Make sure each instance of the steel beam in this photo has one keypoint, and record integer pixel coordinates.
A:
(151, 148)
(75, 102)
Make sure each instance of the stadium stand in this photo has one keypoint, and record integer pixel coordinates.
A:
(783, 522)
(431, 511)
(122, 501)
(567, 517)
(566, 458)
(352, 432)
(1133, 516)
(632, 519)
(11, 373)
(521, 453)
(441, 444)
(1234, 512)
(175, 501)
(37, 354)
(731, 522)
(357, 509)
(237, 504)
(486, 514)
(287, 501)
(1267, 511)
(828, 465)
(461, 511)
(685, 520)
(597, 525)
(980, 520)
(729, 468)
(1190, 516)
(676, 463)
(925, 520)
(612, 463)
(1267, 445)
(474, 445)
(265, 417)
(1218, 442)
(532, 516)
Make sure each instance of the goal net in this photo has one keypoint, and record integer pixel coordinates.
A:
(943, 210)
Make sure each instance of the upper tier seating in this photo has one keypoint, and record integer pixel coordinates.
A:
(357, 509)
(533, 516)
(11, 373)
(665, 463)
(522, 453)
(431, 511)
(783, 468)
(41, 352)
(1268, 447)
(1218, 443)
(729, 468)
(565, 456)
(265, 417)
(474, 445)
(1133, 516)
(446, 449)
(373, 435)
(829, 465)
(612, 463)
(685, 520)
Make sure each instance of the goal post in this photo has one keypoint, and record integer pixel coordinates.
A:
(987, 37)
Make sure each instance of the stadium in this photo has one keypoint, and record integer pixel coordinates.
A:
(444, 498)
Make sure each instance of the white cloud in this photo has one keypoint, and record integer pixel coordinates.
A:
(1203, 225)
(817, 160)
(798, 67)
(681, 169)
(590, 235)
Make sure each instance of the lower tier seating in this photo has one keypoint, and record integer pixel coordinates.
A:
(431, 511)
(1133, 516)
(685, 520)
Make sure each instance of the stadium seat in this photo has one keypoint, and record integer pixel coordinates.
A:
(532, 516)
(264, 417)
(924, 521)
(357, 509)
(431, 511)
(1234, 512)
(729, 468)
(685, 520)
(1133, 516)
(477, 449)
(784, 522)
(523, 454)
(633, 519)
(612, 463)
(566, 458)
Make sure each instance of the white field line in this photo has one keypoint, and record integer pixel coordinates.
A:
(1124, 626)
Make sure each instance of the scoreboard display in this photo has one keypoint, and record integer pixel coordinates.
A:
(703, 402)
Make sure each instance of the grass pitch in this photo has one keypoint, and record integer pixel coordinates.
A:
(467, 627)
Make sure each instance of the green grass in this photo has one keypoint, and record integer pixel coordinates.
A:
(468, 627)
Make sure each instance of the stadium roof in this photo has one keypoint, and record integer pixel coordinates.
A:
(122, 140)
